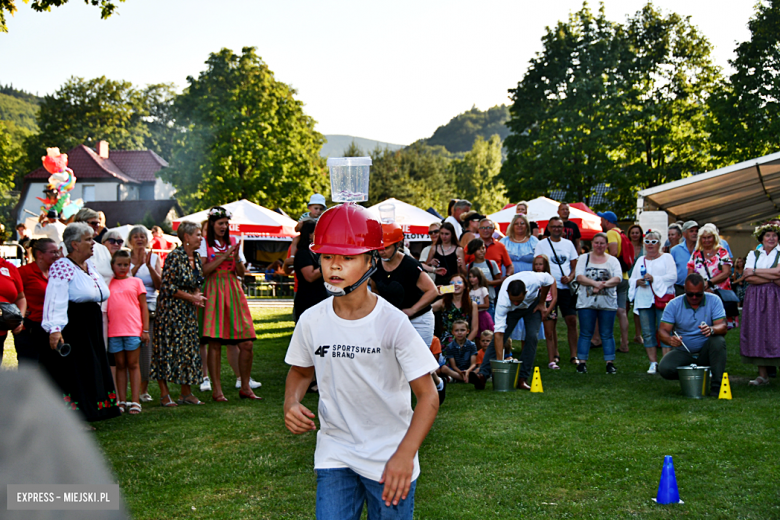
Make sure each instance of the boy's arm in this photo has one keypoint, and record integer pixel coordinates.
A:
(397, 476)
(298, 418)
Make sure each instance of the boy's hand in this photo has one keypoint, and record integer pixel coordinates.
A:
(144, 337)
(298, 419)
(397, 478)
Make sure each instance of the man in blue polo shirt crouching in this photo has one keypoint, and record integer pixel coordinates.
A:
(695, 325)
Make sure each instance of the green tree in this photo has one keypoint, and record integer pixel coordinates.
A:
(107, 7)
(477, 176)
(746, 108)
(87, 111)
(662, 128)
(563, 109)
(10, 157)
(353, 150)
(419, 175)
(160, 121)
(245, 136)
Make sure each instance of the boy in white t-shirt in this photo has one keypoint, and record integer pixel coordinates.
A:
(367, 355)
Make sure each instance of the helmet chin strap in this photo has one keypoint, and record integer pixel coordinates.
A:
(337, 291)
(395, 250)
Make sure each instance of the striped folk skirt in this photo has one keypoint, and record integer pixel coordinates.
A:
(226, 317)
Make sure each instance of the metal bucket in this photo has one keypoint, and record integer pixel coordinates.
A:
(504, 374)
(694, 381)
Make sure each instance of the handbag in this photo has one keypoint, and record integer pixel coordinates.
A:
(10, 316)
(727, 296)
(573, 285)
(659, 302)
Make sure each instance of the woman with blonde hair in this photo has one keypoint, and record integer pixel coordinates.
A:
(520, 243)
(714, 264)
(521, 208)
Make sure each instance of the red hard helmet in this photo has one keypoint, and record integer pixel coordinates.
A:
(392, 234)
(347, 229)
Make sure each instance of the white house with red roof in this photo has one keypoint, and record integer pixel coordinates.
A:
(115, 179)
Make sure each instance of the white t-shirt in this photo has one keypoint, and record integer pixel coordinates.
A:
(363, 369)
(533, 283)
(455, 224)
(566, 253)
(51, 230)
(664, 272)
(603, 300)
(479, 295)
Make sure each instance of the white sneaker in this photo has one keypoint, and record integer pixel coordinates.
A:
(653, 368)
(205, 386)
(252, 383)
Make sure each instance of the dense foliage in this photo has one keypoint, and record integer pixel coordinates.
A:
(107, 7)
(608, 103)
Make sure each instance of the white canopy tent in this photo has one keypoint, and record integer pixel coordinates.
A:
(251, 221)
(732, 197)
(413, 220)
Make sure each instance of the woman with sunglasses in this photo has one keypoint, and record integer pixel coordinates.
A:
(454, 306)
(713, 262)
(176, 350)
(651, 287)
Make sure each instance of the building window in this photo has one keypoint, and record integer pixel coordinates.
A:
(88, 193)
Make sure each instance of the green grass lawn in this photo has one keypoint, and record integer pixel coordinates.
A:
(590, 446)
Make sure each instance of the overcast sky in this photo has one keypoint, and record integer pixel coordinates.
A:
(390, 71)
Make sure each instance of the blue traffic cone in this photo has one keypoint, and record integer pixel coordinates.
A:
(667, 488)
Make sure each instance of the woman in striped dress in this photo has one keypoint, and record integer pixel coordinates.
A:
(226, 318)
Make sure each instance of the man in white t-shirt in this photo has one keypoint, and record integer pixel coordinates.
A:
(49, 226)
(460, 207)
(522, 297)
(367, 355)
(562, 256)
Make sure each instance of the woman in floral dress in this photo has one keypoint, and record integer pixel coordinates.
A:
(713, 263)
(176, 351)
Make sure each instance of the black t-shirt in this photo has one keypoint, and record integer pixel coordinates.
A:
(399, 286)
(309, 293)
(571, 231)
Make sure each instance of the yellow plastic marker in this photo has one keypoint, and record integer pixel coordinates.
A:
(725, 387)
(536, 382)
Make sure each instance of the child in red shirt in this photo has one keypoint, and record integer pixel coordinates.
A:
(128, 326)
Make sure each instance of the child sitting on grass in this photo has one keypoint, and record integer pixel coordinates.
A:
(128, 326)
(484, 342)
(461, 353)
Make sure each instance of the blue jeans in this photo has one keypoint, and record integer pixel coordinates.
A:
(588, 319)
(650, 319)
(341, 493)
(119, 343)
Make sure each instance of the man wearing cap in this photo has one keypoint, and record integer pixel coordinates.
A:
(609, 225)
(682, 253)
(460, 207)
(49, 226)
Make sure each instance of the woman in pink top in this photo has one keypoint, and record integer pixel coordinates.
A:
(128, 326)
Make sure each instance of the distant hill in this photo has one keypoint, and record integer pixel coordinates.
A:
(19, 112)
(338, 143)
(458, 135)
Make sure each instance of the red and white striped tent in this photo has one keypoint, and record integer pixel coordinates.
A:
(541, 209)
(251, 221)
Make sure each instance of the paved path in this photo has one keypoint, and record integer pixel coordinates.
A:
(265, 303)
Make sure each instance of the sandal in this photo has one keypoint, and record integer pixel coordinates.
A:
(574, 361)
(219, 398)
(134, 409)
(557, 359)
(167, 402)
(759, 381)
(122, 407)
(146, 398)
(250, 395)
(552, 365)
(185, 399)
(624, 351)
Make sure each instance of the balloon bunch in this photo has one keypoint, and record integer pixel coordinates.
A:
(61, 183)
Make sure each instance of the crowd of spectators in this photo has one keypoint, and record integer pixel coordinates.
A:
(148, 310)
